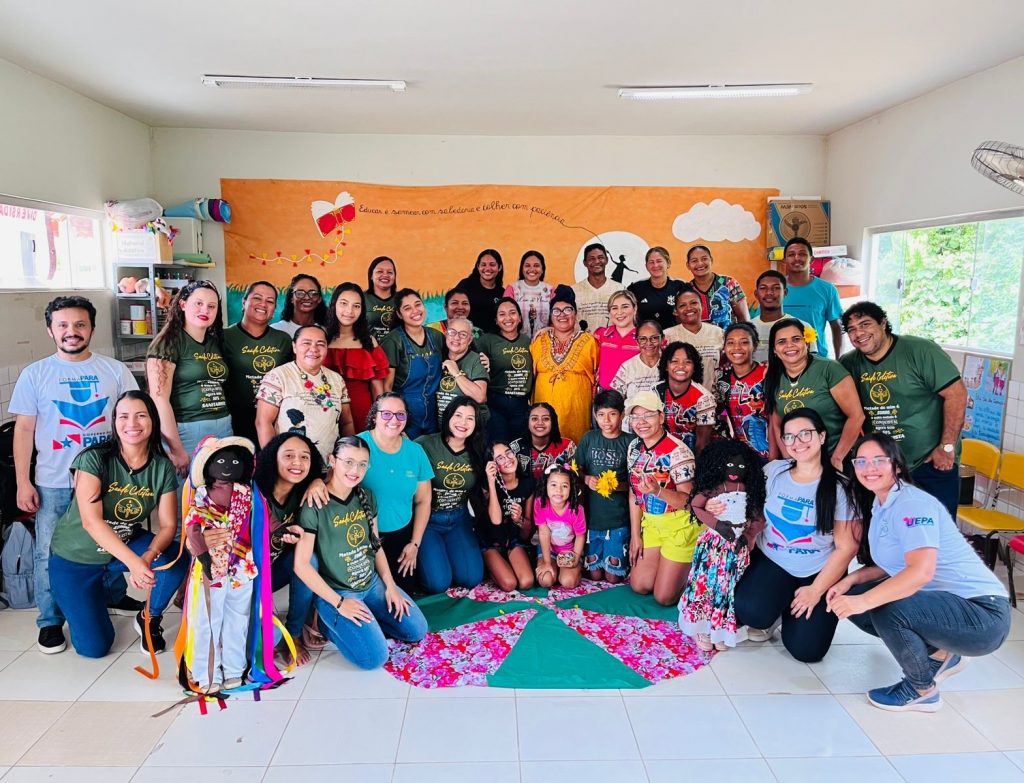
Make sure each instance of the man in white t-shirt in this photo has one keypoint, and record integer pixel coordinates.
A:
(62, 404)
(769, 291)
(593, 292)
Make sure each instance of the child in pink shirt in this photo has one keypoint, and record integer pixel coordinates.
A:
(562, 527)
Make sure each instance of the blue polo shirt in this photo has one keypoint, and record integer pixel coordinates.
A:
(912, 519)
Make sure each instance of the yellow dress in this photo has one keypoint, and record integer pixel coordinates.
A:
(568, 385)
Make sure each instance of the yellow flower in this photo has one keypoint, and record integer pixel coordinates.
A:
(573, 468)
(810, 335)
(607, 483)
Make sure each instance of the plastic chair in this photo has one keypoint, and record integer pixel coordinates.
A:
(992, 522)
(984, 458)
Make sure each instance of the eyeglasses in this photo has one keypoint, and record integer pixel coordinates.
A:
(653, 339)
(460, 335)
(389, 415)
(306, 294)
(643, 416)
(860, 463)
(804, 436)
(505, 458)
(562, 311)
(349, 464)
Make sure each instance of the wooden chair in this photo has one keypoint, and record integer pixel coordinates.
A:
(991, 522)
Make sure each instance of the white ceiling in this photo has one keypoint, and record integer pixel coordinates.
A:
(510, 67)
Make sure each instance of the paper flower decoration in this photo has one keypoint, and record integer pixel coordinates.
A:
(810, 335)
(607, 483)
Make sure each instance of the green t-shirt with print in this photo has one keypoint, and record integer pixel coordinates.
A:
(813, 390)
(900, 393)
(448, 388)
(129, 500)
(596, 454)
(249, 359)
(380, 314)
(394, 347)
(453, 473)
(197, 391)
(342, 530)
(511, 364)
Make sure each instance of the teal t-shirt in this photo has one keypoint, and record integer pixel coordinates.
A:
(342, 530)
(393, 479)
(596, 454)
(813, 389)
(130, 498)
(900, 393)
(511, 364)
(453, 473)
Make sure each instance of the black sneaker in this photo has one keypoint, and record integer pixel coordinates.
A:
(51, 640)
(126, 607)
(155, 631)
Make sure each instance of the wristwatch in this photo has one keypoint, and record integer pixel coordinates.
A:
(948, 448)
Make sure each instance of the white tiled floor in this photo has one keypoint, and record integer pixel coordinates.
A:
(754, 714)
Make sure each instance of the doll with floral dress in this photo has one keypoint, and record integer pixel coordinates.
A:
(728, 473)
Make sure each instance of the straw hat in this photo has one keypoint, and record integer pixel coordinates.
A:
(209, 446)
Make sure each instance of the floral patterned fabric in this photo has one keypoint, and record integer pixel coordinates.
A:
(706, 606)
(469, 654)
(459, 656)
(655, 649)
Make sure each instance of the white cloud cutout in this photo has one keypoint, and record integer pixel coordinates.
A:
(718, 221)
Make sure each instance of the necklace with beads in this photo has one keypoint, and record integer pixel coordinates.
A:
(321, 393)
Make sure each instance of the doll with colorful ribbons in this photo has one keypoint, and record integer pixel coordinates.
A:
(226, 640)
(728, 471)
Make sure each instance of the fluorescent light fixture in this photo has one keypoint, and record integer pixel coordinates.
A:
(300, 82)
(714, 91)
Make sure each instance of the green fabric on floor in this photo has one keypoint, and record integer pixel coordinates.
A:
(622, 600)
(550, 654)
(443, 612)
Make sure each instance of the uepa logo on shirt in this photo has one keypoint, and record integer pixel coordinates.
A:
(918, 521)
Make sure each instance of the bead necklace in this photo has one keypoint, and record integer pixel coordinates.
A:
(321, 393)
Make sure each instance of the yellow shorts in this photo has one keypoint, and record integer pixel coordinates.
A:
(675, 533)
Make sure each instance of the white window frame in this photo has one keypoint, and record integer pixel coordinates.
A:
(949, 220)
(67, 209)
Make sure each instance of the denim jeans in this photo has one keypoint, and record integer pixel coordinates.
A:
(53, 502)
(765, 593)
(508, 418)
(191, 432)
(916, 626)
(449, 552)
(300, 597)
(81, 593)
(365, 645)
(944, 485)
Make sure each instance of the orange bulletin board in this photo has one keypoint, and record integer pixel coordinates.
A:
(332, 230)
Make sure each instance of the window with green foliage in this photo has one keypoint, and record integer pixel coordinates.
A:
(956, 284)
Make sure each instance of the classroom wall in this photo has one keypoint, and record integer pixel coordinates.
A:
(58, 146)
(912, 162)
(189, 163)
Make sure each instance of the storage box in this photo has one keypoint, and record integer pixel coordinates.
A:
(789, 218)
(142, 245)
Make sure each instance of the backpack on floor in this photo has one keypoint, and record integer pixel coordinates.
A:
(18, 563)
